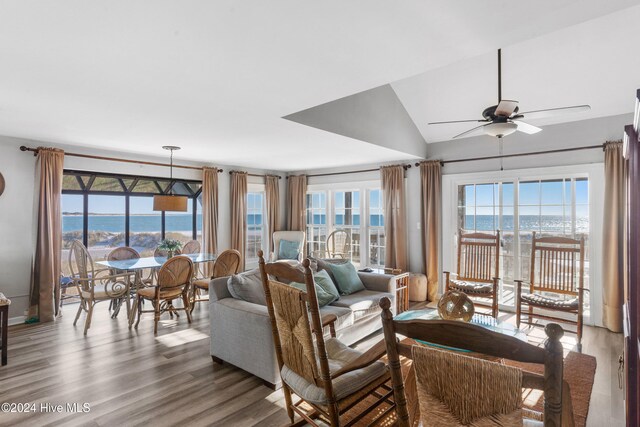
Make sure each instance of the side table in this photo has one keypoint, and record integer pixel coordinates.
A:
(402, 287)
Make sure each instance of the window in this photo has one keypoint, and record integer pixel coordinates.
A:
(106, 211)
(518, 207)
(358, 210)
(256, 229)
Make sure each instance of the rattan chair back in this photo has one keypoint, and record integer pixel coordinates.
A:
(191, 247)
(338, 244)
(176, 272)
(81, 263)
(226, 264)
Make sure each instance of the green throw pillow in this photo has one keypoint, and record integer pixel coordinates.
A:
(288, 249)
(323, 280)
(347, 278)
(323, 296)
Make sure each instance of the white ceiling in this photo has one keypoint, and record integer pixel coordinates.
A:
(216, 77)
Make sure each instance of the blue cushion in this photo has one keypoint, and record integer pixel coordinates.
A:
(323, 280)
(347, 278)
(288, 249)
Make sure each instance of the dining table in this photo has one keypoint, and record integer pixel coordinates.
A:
(137, 265)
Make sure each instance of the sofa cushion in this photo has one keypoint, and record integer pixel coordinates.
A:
(323, 296)
(318, 264)
(339, 355)
(347, 278)
(344, 315)
(247, 286)
(288, 249)
(323, 280)
(363, 303)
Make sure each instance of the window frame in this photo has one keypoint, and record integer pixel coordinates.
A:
(253, 262)
(128, 192)
(593, 172)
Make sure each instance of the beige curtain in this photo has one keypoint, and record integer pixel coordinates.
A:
(45, 289)
(296, 197)
(209, 214)
(272, 187)
(239, 213)
(431, 207)
(613, 240)
(395, 224)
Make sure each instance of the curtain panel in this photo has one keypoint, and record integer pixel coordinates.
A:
(395, 224)
(239, 214)
(613, 239)
(296, 198)
(431, 208)
(45, 289)
(209, 214)
(272, 187)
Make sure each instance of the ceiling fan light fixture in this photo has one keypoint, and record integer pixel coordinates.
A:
(500, 129)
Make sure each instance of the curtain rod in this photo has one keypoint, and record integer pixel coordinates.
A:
(405, 167)
(256, 175)
(533, 153)
(115, 159)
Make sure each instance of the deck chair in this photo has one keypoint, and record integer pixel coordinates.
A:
(451, 388)
(325, 374)
(478, 269)
(556, 282)
(338, 244)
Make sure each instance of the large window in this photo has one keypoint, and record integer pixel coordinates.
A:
(256, 228)
(106, 211)
(356, 209)
(518, 207)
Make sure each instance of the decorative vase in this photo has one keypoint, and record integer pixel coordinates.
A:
(170, 254)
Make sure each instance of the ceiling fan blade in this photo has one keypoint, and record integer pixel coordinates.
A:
(471, 132)
(526, 127)
(458, 121)
(541, 114)
(506, 108)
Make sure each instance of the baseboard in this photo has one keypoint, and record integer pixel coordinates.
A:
(16, 320)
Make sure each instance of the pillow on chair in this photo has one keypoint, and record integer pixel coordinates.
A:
(288, 249)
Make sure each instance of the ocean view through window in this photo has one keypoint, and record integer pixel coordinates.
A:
(106, 211)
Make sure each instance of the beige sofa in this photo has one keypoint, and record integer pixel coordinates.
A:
(241, 331)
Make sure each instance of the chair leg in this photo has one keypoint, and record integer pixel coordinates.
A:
(128, 302)
(579, 332)
(87, 322)
(187, 307)
(139, 311)
(518, 313)
(156, 316)
(80, 306)
(288, 402)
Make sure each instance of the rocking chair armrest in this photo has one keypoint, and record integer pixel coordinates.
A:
(584, 289)
(328, 319)
(365, 359)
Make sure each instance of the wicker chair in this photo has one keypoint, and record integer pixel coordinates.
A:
(95, 285)
(174, 280)
(327, 375)
(556, 281)
(226, 264)
(120, 254)
(191, 247)
(446, 387)
(338, 244)
(478, 269)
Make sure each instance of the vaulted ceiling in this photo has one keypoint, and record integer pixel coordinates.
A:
(217, 78)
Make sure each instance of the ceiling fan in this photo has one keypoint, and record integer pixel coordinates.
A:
(504, 119)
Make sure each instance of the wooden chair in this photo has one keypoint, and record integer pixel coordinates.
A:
(191, 247)
(120, 254)
(328, 376)
(95, 285)
(442, 391)
(174, 280)
(291, 236)
(478, 268)
(556, 272)
(338, 244)
(226, 264)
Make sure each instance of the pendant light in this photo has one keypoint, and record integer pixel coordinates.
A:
(170, 202)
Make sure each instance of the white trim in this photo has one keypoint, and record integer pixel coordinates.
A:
(594, 172)
(16, 320)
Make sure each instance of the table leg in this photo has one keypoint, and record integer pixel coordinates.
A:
(137, 282)
(4, 314)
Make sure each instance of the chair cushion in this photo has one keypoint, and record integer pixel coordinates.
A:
(339, 355)
(347, 278)
(362, 304)
(247, 286)
(150, 293)
(202, 283)
(549, 302)
(288, 249)
(471, 287)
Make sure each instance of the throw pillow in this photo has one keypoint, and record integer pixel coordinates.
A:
(347, 278)
(247, 286)
(324, 264)
(288, 249)
(323, 296)
(323, 280)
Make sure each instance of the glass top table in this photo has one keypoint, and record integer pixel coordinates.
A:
(482, 320)
(153, 262)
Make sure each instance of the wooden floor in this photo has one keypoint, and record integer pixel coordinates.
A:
(130, 377)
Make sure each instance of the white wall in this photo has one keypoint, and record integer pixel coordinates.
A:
(17, 215)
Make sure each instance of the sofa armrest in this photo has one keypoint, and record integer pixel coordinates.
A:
(379, 282)
(218, 289)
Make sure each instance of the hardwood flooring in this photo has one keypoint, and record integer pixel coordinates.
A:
(129, 377)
